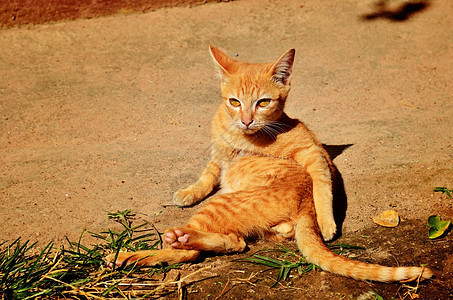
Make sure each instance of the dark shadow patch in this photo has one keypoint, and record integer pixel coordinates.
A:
(335, 150)
(340, 201)
(399, 14)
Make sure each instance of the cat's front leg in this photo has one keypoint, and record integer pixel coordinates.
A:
(200, 189)
(318, 167)
(191, 239)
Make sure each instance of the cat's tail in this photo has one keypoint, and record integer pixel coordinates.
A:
(316, 252)
(148, 258)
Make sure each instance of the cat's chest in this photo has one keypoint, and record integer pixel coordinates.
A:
(227, 156)
(227, 148)
(231, 178)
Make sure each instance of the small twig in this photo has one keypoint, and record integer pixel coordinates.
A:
(289, 287)
(180, 291)
(223, 290)
(247, 280)
(131, 284)
(169, 204)
(75, 290)
(176, 122)
(411, 290)
(396, 260)
(408, 104)
(175, 282)
(52, 270)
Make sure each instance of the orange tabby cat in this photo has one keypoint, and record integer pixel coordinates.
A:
(275, 178)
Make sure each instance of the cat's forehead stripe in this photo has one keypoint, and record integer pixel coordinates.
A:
(250, 92)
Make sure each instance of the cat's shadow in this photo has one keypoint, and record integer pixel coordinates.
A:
(340, 203)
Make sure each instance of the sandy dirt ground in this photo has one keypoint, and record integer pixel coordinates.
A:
(22, 12)
(113, 113)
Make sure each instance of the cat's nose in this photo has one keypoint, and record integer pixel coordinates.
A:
(247, 122)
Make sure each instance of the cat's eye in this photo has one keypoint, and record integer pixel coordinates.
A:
(263, 102)
(235, 102)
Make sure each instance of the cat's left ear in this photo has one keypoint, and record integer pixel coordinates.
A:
(224, 62)
(282, 68)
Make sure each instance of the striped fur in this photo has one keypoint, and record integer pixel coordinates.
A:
(275, 179)
(272, 132)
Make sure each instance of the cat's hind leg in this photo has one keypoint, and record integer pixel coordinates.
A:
(186, 246)
(151, 257)
(188, 238)
(223, 223)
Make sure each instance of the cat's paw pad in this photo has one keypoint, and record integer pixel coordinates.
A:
(177, 238)
(184, 198)
(328, 229)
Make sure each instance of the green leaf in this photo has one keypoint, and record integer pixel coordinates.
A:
(437, 226)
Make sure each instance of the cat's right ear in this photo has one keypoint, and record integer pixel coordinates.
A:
(223, 62)
(282, 68)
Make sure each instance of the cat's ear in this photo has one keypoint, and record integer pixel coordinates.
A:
(282, 68)
(223, 62)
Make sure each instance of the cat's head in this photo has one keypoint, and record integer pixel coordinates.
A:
(254, 94)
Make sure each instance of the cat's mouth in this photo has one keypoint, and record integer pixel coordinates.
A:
(249, 130)
(249, 127)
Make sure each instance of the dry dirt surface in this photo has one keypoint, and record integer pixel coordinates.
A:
(113, 113)
(22, 12)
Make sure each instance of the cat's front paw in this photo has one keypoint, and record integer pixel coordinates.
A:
(184, 198)
(328, 229)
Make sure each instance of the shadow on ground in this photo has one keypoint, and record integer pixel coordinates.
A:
(401, 13)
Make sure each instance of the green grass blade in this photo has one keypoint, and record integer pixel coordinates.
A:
(142, 237)
(262, 262)
(46, 292)
(139, 226)
(444, 190)
(97, 235)
(286, 272)
(280, 276)
(109, 289)
(80, 246)
(287, 264)
(283, 248)
(267, 261)
(53, 273)
(345, 246)
(12, 265)
(42, 256)
(80, 239)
